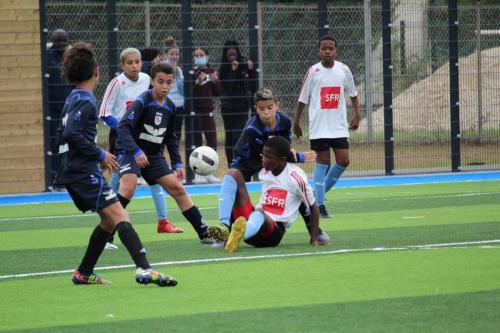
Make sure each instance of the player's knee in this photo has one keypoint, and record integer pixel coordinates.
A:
(177, 190)
(344, 163)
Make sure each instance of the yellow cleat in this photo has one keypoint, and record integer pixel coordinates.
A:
(218, 232)
(236, 235)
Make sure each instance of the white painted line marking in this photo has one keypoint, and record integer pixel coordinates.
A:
(270, 256)
(13, 219)
(413, 217)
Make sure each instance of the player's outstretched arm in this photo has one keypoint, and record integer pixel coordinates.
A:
(354, 123)
(303, 156)
(314, 241)
(297, 130)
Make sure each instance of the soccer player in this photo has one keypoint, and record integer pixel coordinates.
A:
(234, 200)
(147, 126)
(324, 89)
(284, 190)
(80, 171)
(119, 95)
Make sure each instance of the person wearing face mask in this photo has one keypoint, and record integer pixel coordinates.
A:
(206, 88)
(58, 90)
(238, 85)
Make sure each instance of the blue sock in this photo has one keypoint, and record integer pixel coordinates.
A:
(319, 182)
(226, 199)
(159, 200)
(333, 175)
(114, 182)
(255, 221)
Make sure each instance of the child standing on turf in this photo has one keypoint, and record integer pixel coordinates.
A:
(284, 189)
(234, 200)
(81, 167)
(324, 89)
(205, 89)
(119, 95)
(148, 126)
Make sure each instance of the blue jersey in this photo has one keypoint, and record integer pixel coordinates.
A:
(248, 149)
(147, 126)
(79, 156)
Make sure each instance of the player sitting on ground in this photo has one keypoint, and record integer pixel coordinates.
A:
(234, 200)
(148, 126)
(80, 171)
(284, 189)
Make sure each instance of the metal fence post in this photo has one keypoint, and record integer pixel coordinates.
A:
(322, 18)
(479, 74)
(112, 28)
(147, 23)
(187, 42)
(253, 34)
(454, 85)
(48, 156)
(387, 74)
(368, 70)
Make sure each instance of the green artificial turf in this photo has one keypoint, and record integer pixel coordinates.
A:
(369, 279)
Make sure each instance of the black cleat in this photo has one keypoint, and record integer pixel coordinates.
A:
(323, 213)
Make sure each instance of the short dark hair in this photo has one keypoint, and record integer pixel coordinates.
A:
(161, 68)
(327, 37)
(78, 63)
(263, 94)
(279, 145)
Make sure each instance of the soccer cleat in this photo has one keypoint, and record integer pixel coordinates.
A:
(88, 279)
(236, 235)
(207, 240)
(147, 276)
(164, 226)
(110, 246)
(323, 237)
(323, 213)
(218, 232)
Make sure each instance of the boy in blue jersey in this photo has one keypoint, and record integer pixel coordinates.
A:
(234, 200)
(147, 126)
(80, 171)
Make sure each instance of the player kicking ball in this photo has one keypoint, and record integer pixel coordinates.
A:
(145, 129)
(284, 189)
(80, 171)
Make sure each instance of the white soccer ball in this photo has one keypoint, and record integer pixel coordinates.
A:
(204, 161)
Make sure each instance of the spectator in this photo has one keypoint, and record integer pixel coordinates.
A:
(148, 55)
(58, 90)
(237, 86)
(206, 88)
(170, 55)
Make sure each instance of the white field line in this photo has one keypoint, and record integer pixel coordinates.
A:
(13, 219)
(269, 256)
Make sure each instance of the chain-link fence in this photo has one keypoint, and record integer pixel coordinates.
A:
(287, 46)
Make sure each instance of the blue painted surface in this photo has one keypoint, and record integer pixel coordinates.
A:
(142, 192)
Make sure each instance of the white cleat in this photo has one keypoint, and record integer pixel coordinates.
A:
(110, 246)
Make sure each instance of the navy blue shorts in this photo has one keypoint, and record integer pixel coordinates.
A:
(91, 193)
(270, 239)
(248, 168)
(326, 144)
(156, 169)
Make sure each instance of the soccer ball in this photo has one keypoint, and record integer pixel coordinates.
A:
(204, 161)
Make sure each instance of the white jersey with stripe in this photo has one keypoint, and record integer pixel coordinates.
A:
(324, 90)
(121, 93)
(282, 194)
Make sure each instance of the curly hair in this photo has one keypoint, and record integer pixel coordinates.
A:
(78, 63)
